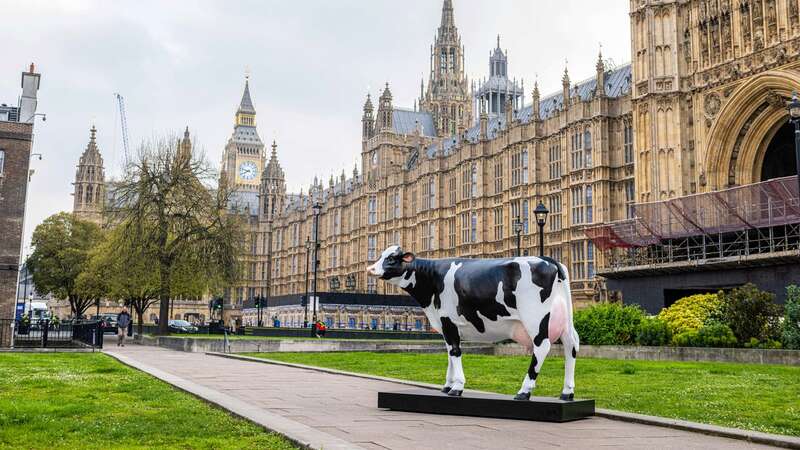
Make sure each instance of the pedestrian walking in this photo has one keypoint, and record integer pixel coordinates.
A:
(123, 320)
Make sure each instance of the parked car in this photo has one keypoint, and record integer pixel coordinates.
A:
(109, 322)
(181, 326)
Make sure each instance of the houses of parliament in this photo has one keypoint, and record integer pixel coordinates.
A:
(699, 108)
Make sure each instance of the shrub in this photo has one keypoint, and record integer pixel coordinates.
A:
(751, 313)
(653, 331)
(608, 324)
(690, 313)
(791, 321)
(712, 335)
(769, 343)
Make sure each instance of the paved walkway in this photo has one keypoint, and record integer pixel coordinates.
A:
(338, 411)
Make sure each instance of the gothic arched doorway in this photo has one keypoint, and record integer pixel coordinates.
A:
(779, 158)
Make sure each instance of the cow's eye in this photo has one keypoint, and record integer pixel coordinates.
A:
(390, 258)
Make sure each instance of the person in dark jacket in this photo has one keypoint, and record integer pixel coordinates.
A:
(123, 320)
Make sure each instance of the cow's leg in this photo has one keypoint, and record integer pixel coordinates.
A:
(449, 378)
(453, 339)
(541, 346)
(571, 343)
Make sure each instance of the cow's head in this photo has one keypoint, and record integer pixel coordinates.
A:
(394, 266)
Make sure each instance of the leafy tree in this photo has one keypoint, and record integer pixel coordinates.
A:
(168, 204)
(791, 321)
(751, 313)
(61, 250)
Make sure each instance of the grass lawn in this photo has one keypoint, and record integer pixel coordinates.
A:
(91, 401)
(755, 397)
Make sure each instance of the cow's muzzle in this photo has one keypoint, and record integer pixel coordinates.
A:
(373, 271)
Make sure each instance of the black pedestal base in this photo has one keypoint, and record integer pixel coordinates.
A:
(498, 406)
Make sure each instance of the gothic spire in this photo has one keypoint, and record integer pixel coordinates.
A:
(448, 20)
(246, 105)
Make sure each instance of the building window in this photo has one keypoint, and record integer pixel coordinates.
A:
(428, 235)
(465, 183)
(372, 285)
(577, 259)
(372, 207)
(474, 182)
(464, 228)
(589, 203)
(577, 205)
(630, 197)
(498, 223)
(498, 176)
(473, 230)
(372, 244)
(2, 161)
(397, 203)
(627, 143)
(334, 256)
(452, 190)
(525, 216)
(555, 253)
(414, 198)
(554, 160)
(554, 220)
(524, 158)
(451, 232)
(587, 147)
(432, 193)
(576, 141)
(589, 259)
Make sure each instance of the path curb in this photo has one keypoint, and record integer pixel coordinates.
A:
(301, 435)
(684, 425)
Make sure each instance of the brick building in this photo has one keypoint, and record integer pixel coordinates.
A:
(16, 140)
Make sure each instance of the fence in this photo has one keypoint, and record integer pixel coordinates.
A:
(44, 334)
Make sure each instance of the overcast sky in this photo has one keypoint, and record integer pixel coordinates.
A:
(182, 63)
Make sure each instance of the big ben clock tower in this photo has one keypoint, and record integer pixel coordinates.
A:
(243, 157)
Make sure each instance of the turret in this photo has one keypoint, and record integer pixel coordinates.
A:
(89, 194)
(385, 110)
(565, 88)
(367, 121)
(600, 90)
(484, 120)
(536, 102)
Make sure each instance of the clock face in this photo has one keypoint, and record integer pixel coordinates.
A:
(248, 170)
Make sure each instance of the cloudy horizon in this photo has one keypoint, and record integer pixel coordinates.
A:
(311, 64)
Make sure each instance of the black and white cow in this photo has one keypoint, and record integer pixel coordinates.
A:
(526, 299)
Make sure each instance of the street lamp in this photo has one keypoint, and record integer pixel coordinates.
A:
(258, 299)
(335, 284)
(518, 230)
(305, 301)
(541, 213)
(794, 117)
(317, 210)
(350, 282)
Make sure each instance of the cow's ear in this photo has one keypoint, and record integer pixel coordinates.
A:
(408, 257)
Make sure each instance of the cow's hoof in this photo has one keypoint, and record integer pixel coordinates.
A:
(446, 389)
(455, 393)
(567, 397)
(523, 396)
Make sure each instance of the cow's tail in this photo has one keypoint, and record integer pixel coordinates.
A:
(568, 296)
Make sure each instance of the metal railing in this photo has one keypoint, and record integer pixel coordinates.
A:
(47, 334)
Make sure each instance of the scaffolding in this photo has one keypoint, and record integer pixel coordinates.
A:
(754, 222)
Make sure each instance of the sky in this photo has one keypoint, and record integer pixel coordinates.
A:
(311, 62)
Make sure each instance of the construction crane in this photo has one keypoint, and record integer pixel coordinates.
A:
(124, 123)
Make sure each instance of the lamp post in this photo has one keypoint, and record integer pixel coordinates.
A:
(308, 255)
(794, 117)
(317, 210)
(259, 306)
(541, 213)
(518, 231)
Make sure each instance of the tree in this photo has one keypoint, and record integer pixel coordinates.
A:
(167, 204)
(61, 250)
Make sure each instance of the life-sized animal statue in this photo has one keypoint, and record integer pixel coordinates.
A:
(526, 299)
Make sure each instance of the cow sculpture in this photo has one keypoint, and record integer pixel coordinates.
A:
(526, 299)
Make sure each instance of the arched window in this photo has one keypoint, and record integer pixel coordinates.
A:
(89, 195)
(587, 147)
(474, 182)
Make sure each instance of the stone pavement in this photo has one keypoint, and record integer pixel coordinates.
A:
(338, 411)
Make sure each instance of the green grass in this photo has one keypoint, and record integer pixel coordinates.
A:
(755, 397)
(91, 401)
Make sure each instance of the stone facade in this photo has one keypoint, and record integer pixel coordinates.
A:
(16, 140)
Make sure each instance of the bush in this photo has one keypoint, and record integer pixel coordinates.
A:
(712, 335)
(769, 343)
(751, 313)
(791, 321)
(608, 324)
(690, 313)
(653, 331)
